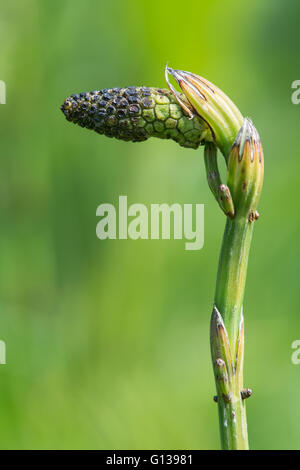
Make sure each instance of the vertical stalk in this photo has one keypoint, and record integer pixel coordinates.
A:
(245, 177)
(232, 272)
(227, 328)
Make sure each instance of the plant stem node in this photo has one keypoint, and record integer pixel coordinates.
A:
(246, 393)
(253, 216)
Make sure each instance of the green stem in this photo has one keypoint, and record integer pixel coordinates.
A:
(227, 331)
(232, 272)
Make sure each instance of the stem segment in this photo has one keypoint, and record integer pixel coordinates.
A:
(245, 176)
(231, 277)
(227, 332)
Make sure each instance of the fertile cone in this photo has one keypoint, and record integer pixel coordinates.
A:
(135, 114)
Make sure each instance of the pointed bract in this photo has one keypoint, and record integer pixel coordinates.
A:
(209, 102)
(219, 190)
(246, 170)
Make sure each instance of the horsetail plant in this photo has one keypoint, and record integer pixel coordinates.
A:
(201, 115)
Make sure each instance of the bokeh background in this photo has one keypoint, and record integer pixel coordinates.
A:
(107, 341)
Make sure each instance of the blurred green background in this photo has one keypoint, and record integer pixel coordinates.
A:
(107, 341)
